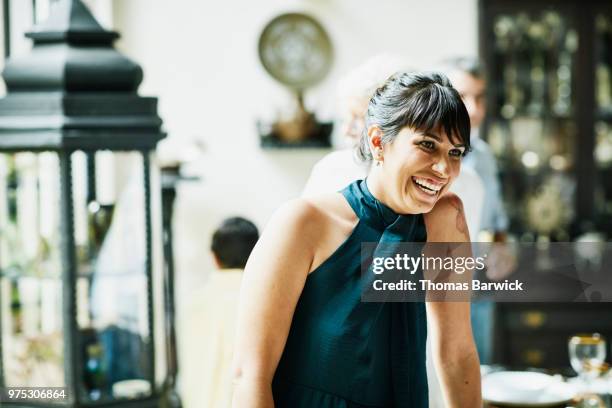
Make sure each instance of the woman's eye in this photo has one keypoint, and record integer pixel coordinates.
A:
(427, 144)
(456, 153)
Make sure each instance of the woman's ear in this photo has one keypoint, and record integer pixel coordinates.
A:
(375, 142)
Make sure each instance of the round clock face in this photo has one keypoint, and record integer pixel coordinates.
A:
(295, 50)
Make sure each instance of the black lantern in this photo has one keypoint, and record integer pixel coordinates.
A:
(80, 219)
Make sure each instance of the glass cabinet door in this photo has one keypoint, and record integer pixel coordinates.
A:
(603, 124)
(531, 127)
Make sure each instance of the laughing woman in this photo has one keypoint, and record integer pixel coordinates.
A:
(305, 339)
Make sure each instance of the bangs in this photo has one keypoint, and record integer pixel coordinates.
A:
(436, 107)
(424, 102)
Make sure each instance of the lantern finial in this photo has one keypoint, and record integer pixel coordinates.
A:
(71, 21)
(74, 89)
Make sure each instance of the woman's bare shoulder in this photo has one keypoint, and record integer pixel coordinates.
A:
(446, 221)
(332, 207)
(315, 213)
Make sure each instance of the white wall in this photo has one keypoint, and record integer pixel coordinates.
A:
(200, 59)
(2, 86)
(20, 15)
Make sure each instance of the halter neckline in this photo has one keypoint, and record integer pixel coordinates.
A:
(373, 212)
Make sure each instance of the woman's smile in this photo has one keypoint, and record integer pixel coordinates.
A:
(428, 185)
(427, 188)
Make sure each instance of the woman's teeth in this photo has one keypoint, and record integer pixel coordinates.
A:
(427, 187)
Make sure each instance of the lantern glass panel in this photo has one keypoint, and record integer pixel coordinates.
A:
(110, 231)
(30, 270)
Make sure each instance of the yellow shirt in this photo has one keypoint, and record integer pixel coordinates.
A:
(206, 338)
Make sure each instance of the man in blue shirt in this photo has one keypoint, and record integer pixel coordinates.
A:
(467, 76)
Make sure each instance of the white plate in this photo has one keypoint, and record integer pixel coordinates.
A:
(517, 388)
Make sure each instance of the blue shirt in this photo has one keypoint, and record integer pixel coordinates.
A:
(482, 161)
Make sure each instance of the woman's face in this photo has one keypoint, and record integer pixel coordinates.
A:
(418, 168)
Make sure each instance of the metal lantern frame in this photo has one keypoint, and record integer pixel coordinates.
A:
(75, 92)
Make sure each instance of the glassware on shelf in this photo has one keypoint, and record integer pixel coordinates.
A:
(603, 144)
(603, 67)
(562, 105)
(534, 57)
(547, 209)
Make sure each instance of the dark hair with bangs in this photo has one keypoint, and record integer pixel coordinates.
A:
(420, 101)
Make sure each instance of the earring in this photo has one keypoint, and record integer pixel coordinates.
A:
(379, 160)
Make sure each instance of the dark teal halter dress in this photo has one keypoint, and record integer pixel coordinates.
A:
(345, 353)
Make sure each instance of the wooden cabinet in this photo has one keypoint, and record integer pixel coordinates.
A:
(536, 334)
(549, 99)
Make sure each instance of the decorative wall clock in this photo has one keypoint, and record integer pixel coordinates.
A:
(297, 52)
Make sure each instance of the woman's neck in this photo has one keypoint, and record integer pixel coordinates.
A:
(375, 183)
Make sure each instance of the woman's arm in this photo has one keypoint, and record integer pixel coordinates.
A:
(274, 278)
(455, 356)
